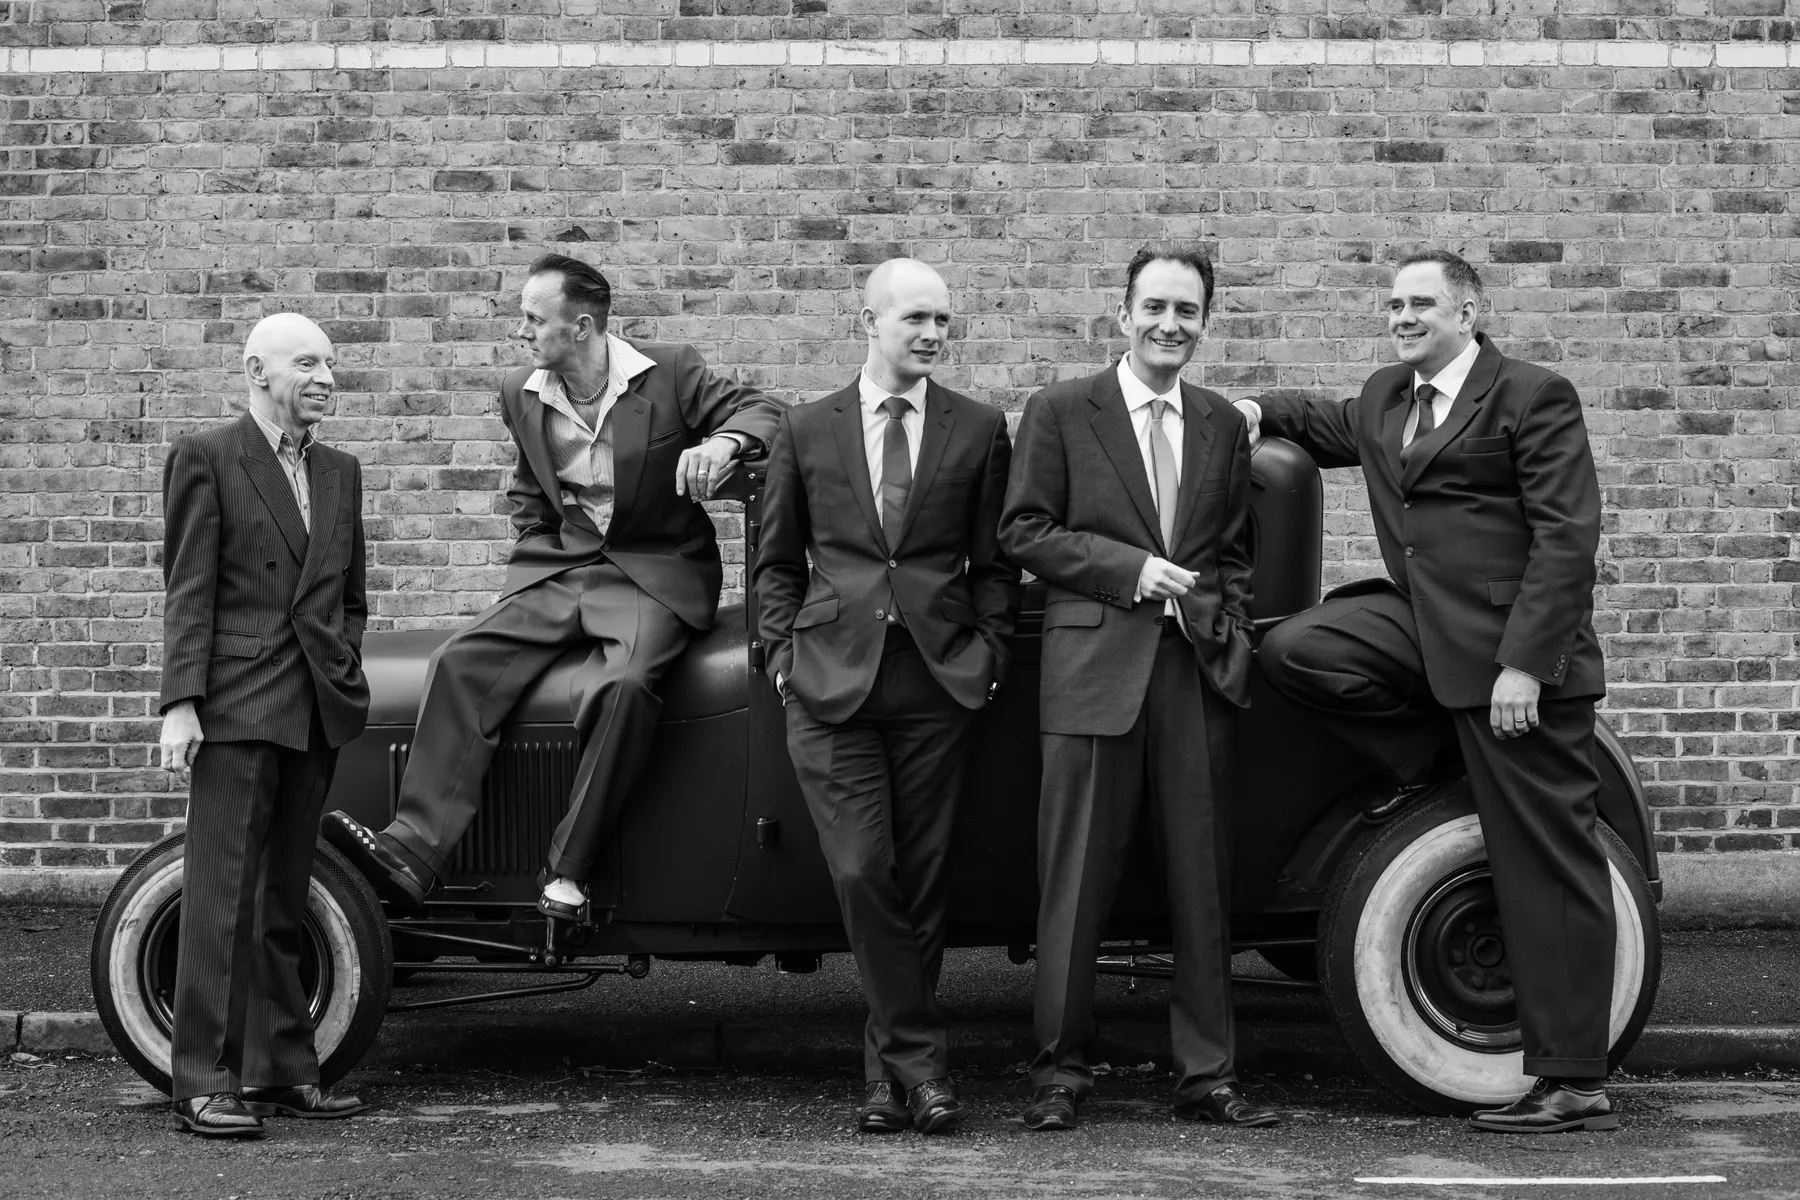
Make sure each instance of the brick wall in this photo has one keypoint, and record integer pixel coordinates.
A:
(1626, 173)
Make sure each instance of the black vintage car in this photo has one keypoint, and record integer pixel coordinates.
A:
(717, 859)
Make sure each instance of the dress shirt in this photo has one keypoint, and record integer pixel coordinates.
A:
(1137, 402)
(293, 462)
(1448, 383)
(583, 453)
(875, 421)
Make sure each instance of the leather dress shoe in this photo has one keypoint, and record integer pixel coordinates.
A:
(1551, 1106)
(884, 1108)
(219, 1115)
(1225, 1105)
(1052, 1106)
(394, 878)
(935, 1108)
(307, 1100)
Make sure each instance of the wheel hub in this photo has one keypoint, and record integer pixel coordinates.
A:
(1457, 973)
(162, 939)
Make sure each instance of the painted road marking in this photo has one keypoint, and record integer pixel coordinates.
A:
(1543, 1181)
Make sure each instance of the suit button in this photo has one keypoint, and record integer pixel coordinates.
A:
(1160, 620)
(270, 565)
(1409, 552)
(342, 660)
(893, 562)
(276, 660)
(880, 614)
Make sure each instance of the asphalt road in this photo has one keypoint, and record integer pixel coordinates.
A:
(82, 1128)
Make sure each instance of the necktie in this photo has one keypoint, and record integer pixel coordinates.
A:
(1162, 457)
(896, 472)
(1422, 397)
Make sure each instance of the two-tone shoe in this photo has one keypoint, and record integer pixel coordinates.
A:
(884, 1108)
(306, 1100)
(394, 878)
(221, 1115)
(1225, 1105)
(935, 1108)
(1551, 1106)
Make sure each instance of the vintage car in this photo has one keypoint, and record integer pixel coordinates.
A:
(717, 859)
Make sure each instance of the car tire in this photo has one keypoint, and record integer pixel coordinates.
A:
(1442, 1031)
(347, 964)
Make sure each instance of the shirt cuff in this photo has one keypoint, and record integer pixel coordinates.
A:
(744, 441)
(1251, 409)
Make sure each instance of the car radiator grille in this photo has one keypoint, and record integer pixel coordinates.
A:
(526, 794)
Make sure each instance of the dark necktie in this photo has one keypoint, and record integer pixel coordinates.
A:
(1422, 398)
(896, 472)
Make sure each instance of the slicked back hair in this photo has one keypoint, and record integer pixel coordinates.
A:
(1464, 283)
(584, 289)
(1190, 256)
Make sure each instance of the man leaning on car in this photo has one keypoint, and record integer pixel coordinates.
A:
(886, 604)
(1130, 498)
(618, 443)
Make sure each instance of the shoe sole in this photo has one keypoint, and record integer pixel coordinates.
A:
(1254, 1123)
(281, 1110)
(1605, 1124)
(1050, 1124)
(882, 1125)
(939, 1120)
(185, 1125)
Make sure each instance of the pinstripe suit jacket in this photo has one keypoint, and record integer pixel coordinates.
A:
(262, 620)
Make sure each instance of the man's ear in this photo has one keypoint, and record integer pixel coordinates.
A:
(868, 320)
(256, 371)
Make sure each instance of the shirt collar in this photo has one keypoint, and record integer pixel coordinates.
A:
(276, 434)
(624, 363)
(1450, 380)
(1138, 393)
(874, 397)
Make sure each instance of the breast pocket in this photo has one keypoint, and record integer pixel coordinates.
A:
(1488, 461)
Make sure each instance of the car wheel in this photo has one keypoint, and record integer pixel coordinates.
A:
(1414, 960)
(346, 965)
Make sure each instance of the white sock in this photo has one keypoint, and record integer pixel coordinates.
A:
(565, 891)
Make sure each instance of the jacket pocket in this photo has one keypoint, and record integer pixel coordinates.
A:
(663, 439)
(955, 611)
(1503, 591)
(236, 645)
(819, 612)
(1077, 613)
(1486, 445)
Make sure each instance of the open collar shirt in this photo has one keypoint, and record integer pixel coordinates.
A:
(583, 453)
(292, 456)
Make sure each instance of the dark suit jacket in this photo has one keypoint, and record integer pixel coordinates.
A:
(663, 542)
(1490, 528)
(955, 591)
(1081, 515)
(262, 619)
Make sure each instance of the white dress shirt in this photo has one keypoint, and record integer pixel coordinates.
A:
(1448, 383)
(875, 421)
(583, 453)
(293, 462)
(1137, 402)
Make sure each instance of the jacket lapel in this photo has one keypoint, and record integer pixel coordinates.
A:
(847, 428)
(933, 441)
(1474, 390)
(1393, 427)
(1112, 426)
(1196, 449)
(258, 460)
(322, 478)
(630, 417)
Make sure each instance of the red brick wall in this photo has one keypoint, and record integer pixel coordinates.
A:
(174, 169)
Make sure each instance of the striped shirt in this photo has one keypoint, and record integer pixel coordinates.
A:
(583, 453)
(293, 462)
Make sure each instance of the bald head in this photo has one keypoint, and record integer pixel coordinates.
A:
(287, 368)
(906, 315)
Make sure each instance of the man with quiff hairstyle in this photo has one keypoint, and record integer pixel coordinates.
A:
(261, 683)
(885, 604)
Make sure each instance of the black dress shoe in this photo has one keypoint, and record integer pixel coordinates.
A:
(394, 878)
(884, 1108)
(935, 1108)
(1052, 1107)
(218, 1115)
(1551, 1106)
(1225, 1105)
(307, 1100)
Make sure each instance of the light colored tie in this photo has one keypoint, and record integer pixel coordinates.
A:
(896, 471)
(1162, 457)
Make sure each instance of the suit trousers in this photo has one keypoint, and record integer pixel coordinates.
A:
(883, 787)
(240, 1012)
(1174, 761)
(1356, 663)
(480, 674)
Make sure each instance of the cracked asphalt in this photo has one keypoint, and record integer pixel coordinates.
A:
(82, 1127)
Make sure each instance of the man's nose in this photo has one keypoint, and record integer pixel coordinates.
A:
(325, 376)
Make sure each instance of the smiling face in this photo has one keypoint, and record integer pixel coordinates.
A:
(550, 328)
(288, 361)
(1163, 318)
(1428, 324)
(906, 314)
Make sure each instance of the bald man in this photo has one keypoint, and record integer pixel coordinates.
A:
(262, 682)
(883, 649)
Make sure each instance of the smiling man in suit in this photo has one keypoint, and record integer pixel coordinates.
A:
(1487, 510)
(885, 605)
(1130, 498)
(618, 443)
(262, 682)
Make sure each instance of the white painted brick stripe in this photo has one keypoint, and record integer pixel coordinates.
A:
(1297, 52)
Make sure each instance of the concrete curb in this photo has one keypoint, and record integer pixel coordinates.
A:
(519, 1041)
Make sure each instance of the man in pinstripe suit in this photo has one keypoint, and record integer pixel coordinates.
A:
(262, 681)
